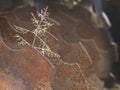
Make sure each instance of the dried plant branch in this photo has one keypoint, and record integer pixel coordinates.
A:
(41, 26)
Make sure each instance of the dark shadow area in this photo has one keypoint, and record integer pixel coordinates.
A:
(112, 9)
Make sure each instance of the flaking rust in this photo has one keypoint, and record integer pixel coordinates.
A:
(46, 58)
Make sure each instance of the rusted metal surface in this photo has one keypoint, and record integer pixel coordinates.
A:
(80, 45)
